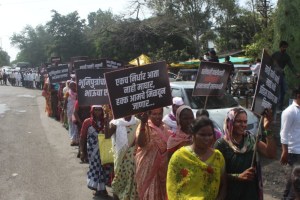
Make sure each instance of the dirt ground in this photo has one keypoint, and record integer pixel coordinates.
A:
(274, 178)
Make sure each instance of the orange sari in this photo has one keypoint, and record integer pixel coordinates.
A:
(47, 94)
(152, 164)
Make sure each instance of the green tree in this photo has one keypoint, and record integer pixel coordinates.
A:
(226, 18)
(193, 16)
(32, 44)
(101, 27)
(68, 35)
(287, 27)
(261, 40)
(4, 58)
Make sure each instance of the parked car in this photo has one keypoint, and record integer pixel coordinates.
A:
(217, 106)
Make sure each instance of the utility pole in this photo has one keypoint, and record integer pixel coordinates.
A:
(264, 8)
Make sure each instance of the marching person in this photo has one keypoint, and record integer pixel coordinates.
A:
(91, 127)
(151, 156)
(170, 119)
(123, 137)
(197, 171)
(182, 137)
(69, 106)
(237, 147)
(290, 139)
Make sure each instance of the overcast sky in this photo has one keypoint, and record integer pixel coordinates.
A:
(16, 14)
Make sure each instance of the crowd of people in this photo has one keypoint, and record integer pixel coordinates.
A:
(176, 156)
(29, 78)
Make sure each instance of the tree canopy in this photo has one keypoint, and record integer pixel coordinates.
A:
(4, 58)
(176, 30)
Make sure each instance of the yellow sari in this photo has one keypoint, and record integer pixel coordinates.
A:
(192, 179)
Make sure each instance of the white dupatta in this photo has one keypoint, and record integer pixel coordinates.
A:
(120, 139)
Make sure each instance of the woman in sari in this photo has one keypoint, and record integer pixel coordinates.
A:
(237, 147)
(123, 137)
(47, 93)
(182, 137)
(151, 156)
(91, 127)
(70, 99)
(197, 171)
(65, 90)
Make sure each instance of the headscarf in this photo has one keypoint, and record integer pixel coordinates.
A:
(98, 125)
(178, 112)
(180, 137)
(66, 88)
(228, 129)
(72, 94)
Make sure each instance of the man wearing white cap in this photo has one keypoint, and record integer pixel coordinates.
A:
(170, 119)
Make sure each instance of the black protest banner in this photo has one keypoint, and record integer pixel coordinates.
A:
(89, 64)
(58, 73)
(267, 87)
(55, 59)
(138, 89)
(91, 86)
(211, 79)
(97, 64)
(114, 64)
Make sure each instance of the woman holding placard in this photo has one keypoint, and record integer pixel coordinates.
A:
(151, 156)
(238, 147)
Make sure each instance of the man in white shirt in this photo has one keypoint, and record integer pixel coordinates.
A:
(18, 79)
(290, 139)
(170, 119)
(255, 69)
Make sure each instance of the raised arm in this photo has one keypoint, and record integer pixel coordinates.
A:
(267, 149)
(142, 133)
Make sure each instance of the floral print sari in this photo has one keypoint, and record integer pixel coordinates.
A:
(190, 178)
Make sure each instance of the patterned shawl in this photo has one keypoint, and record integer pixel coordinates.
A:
(249, 141)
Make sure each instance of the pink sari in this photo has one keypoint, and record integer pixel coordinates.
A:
(152, 164)
(178, 140)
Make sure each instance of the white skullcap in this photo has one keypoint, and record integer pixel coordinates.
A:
(177, 101)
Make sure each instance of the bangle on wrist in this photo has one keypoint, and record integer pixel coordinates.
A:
(235, 175)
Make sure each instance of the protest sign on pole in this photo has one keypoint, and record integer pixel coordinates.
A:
(97, 64)
(58, 73)
(89, 64)
(91, 86)
(55, 60)
(114, 64)
(267, 87)
(211, 79)
(138, 89)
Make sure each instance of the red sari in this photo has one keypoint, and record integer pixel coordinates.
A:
(152, 164)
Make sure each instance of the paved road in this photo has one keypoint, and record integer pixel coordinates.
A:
(36, 160)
